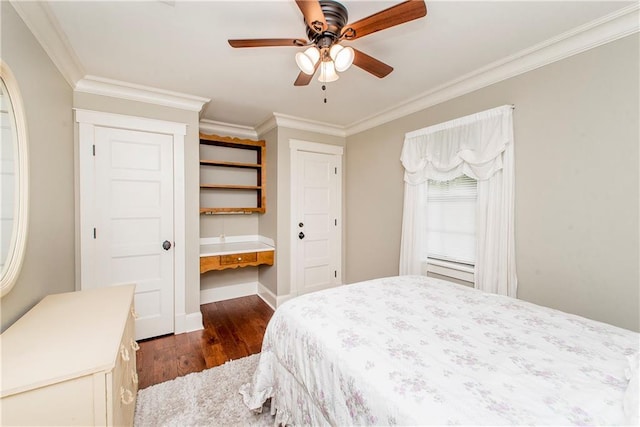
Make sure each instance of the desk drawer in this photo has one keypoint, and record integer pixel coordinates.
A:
(238, 258)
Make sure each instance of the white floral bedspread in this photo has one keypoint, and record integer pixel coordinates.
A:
(412, 350)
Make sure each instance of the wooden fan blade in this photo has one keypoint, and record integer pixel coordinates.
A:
(395, 15)
(267, 42)
(313, 15)
(304, 78)
(371, 64)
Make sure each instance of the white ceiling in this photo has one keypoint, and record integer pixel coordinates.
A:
(182, 46)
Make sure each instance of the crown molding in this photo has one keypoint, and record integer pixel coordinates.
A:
(43, 24)
(124, 90)
(617, 25)
(292, 122)
(227, 129)
(266, 126)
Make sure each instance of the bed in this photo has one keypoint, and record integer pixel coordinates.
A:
(413, 350)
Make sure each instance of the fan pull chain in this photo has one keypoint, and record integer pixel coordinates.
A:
(324, 89)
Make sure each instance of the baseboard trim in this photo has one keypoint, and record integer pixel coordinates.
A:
(267, 296)
(222, 293)
(188, 322)
(270, 298)
(284, 298)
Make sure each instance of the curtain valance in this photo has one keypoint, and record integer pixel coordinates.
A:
(470, 145)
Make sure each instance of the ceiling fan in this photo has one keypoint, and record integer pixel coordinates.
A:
(326, 25)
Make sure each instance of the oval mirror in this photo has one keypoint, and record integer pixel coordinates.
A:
(13, 180)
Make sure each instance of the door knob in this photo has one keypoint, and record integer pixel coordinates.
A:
(301, 235)
(166, 245)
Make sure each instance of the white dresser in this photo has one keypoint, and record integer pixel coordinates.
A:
(71, 360)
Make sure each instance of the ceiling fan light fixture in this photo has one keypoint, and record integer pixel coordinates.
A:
(342, 57)
(327, 72)
(327, 24)
(308, 59)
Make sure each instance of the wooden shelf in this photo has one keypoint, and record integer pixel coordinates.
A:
(225, 141)
(211, 170)
(230, 164)
(212, 211)
(230, 187)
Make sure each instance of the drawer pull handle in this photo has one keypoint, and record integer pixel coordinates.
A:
(134, 345)
(124, 353)
(126, 396)
(134, 376)
(133, 313)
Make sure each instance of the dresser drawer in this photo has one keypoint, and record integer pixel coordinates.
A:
(124, 378)
(67, 403)
(238, 258)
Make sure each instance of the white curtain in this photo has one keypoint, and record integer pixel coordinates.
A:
(481, 147)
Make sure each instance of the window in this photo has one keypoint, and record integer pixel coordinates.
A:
(451, 223)
(479, 146)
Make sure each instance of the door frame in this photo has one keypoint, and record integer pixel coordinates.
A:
(87, 121)
(295, 146)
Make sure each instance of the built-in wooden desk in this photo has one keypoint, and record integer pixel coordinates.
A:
(234, 254)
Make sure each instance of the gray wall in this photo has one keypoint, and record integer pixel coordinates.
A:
(577, 183)
(192, 177)
(48, 267)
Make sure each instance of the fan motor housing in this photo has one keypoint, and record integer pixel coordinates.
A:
(336, 16)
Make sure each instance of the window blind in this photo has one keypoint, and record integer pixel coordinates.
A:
(451, 220)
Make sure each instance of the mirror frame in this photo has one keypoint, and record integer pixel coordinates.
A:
(18, 243)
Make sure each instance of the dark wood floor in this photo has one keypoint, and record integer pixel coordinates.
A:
(232, 329)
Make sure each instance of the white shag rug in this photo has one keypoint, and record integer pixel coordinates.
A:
(207, 398)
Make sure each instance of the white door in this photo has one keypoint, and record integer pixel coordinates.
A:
(316, 221)
(133, 223)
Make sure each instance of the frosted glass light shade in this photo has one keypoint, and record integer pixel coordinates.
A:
(328, 72)
(342, 57)
(307, 60)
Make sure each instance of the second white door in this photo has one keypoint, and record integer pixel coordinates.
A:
(317, 221)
